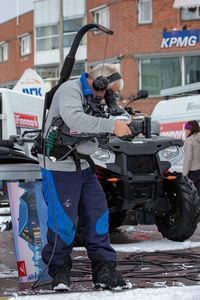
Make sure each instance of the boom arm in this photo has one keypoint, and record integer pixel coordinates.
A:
(69, 63)
(70, 58)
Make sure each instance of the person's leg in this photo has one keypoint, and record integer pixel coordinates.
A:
(93, 212)
(195, 177)
(65, 192)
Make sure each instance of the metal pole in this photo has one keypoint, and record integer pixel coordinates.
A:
(61, 35)
(17, 13)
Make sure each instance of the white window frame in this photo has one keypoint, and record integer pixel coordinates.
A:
(101, 16)
(196, 14)
(140, 3)
(25, 45)
(3, 52)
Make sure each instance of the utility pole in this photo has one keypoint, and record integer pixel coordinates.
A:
(61, 35)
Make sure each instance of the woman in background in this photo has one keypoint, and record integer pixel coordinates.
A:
(191, 165)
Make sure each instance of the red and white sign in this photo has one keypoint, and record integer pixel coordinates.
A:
(27, 121)
(175, 129)
(21, 268)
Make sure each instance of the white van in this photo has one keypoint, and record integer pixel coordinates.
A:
(19, 112)
(173, 114)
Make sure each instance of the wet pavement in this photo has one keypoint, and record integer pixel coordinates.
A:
(179, 267)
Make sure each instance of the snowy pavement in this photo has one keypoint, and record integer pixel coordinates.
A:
(167, 293)
(128, 242)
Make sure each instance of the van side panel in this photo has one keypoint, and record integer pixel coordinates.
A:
(174, 113)
(20, 112)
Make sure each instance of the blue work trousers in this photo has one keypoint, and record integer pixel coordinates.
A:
(75, 194)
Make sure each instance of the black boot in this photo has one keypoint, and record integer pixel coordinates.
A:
(105, 275)
(61, 279)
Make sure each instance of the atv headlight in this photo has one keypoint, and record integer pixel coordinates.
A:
(101, 154)
(169, 153)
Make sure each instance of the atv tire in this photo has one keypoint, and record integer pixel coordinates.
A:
(181, 220)
(116, 220)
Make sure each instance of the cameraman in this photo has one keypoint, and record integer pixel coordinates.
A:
(74, 186)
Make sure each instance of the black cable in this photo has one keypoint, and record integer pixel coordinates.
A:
(169, 269)
(54, 211)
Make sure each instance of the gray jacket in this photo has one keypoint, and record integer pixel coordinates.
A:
(68, 104)
(191, 154)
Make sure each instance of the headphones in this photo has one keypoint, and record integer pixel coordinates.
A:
(101, 83)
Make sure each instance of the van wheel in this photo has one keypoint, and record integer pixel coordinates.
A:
(181, 220)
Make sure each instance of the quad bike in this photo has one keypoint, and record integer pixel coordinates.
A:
(134, 172)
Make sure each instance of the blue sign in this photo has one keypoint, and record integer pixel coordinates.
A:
(180, 38)
(32, 91)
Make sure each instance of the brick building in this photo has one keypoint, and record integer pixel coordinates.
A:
(155, 44)
(32, 41)
(16, 48)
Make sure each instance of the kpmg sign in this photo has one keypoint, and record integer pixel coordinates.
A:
(180, 38)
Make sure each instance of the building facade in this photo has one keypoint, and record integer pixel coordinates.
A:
(156, 44)
(32, 41)
(46, 32)
(16, 48)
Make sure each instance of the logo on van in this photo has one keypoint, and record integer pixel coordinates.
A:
(180, 38)
(174, 129)
(192, 106)
(26, 120)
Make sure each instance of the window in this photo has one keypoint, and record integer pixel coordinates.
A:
(78, 69)
(3, 52)
(191, 13)
(101, 16)
(160, 73)
(25, 45)
(163, 73)
(144, 11)
(50, 75)
(47, 37)
(192, 69)
(71, 27)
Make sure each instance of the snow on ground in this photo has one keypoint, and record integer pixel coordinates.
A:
(6, 272)
(159, 292)
(167, 293)
(158, 244)
(4, 211)
(3, 220)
